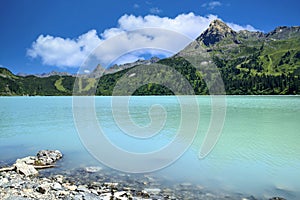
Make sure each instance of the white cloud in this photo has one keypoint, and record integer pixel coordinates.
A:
(237, 27)
(212, 5)
(136, 5)
(64, 52)
(155, 10)
(188, 24)
(132, 33)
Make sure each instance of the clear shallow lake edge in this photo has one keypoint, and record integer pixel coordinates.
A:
(258, 152)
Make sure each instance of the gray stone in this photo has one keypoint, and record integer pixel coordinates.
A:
(27, 170)
(122, 194)
(78, 197)
(59, 178)
(186, 184)
(56, 186)
(43, 188)
(48, 157)
(89, 196)
(71, 187)
(3, 181)
(67, 198)
(110, 184)
(93, 169)
(17, 198)
(152, 190)
(106, 195)
(82, 188)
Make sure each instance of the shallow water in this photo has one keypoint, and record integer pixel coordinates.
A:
(258, 152)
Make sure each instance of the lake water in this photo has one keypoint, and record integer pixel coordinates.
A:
(258, 152)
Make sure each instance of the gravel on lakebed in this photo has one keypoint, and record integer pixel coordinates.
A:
(95, 183)
(87, 184)
(81, 184)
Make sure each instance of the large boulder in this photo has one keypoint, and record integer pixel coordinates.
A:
(27, 170)
(47, 157)
(29, 165)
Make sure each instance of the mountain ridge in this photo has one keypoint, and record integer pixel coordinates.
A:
(249, 62)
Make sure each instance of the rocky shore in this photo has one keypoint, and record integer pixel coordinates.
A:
(31, 178)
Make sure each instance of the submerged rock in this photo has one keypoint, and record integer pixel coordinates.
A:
(93, 169)
(152, 190)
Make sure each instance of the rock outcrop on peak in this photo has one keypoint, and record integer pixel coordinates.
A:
(216, 31)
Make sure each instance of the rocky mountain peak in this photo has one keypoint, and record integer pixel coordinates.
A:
(219, 26)
(97, 72)
(284, 32)
(216, 31)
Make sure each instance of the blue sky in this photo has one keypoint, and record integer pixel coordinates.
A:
(43, 35)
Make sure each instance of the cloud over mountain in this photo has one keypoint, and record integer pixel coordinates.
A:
(64, 52)
(72, 52)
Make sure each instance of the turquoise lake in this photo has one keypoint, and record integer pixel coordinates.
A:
(258, 152)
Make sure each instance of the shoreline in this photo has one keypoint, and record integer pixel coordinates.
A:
(95, 183)
(82, 184)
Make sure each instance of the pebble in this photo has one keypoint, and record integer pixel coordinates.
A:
(71, 187)
(152, 190)
(56, 186)
(82, 188)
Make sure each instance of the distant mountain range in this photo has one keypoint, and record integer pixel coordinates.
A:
(249, 63)
(99, 70)
(44, 75)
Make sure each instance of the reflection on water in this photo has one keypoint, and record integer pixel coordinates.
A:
(258, 152)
